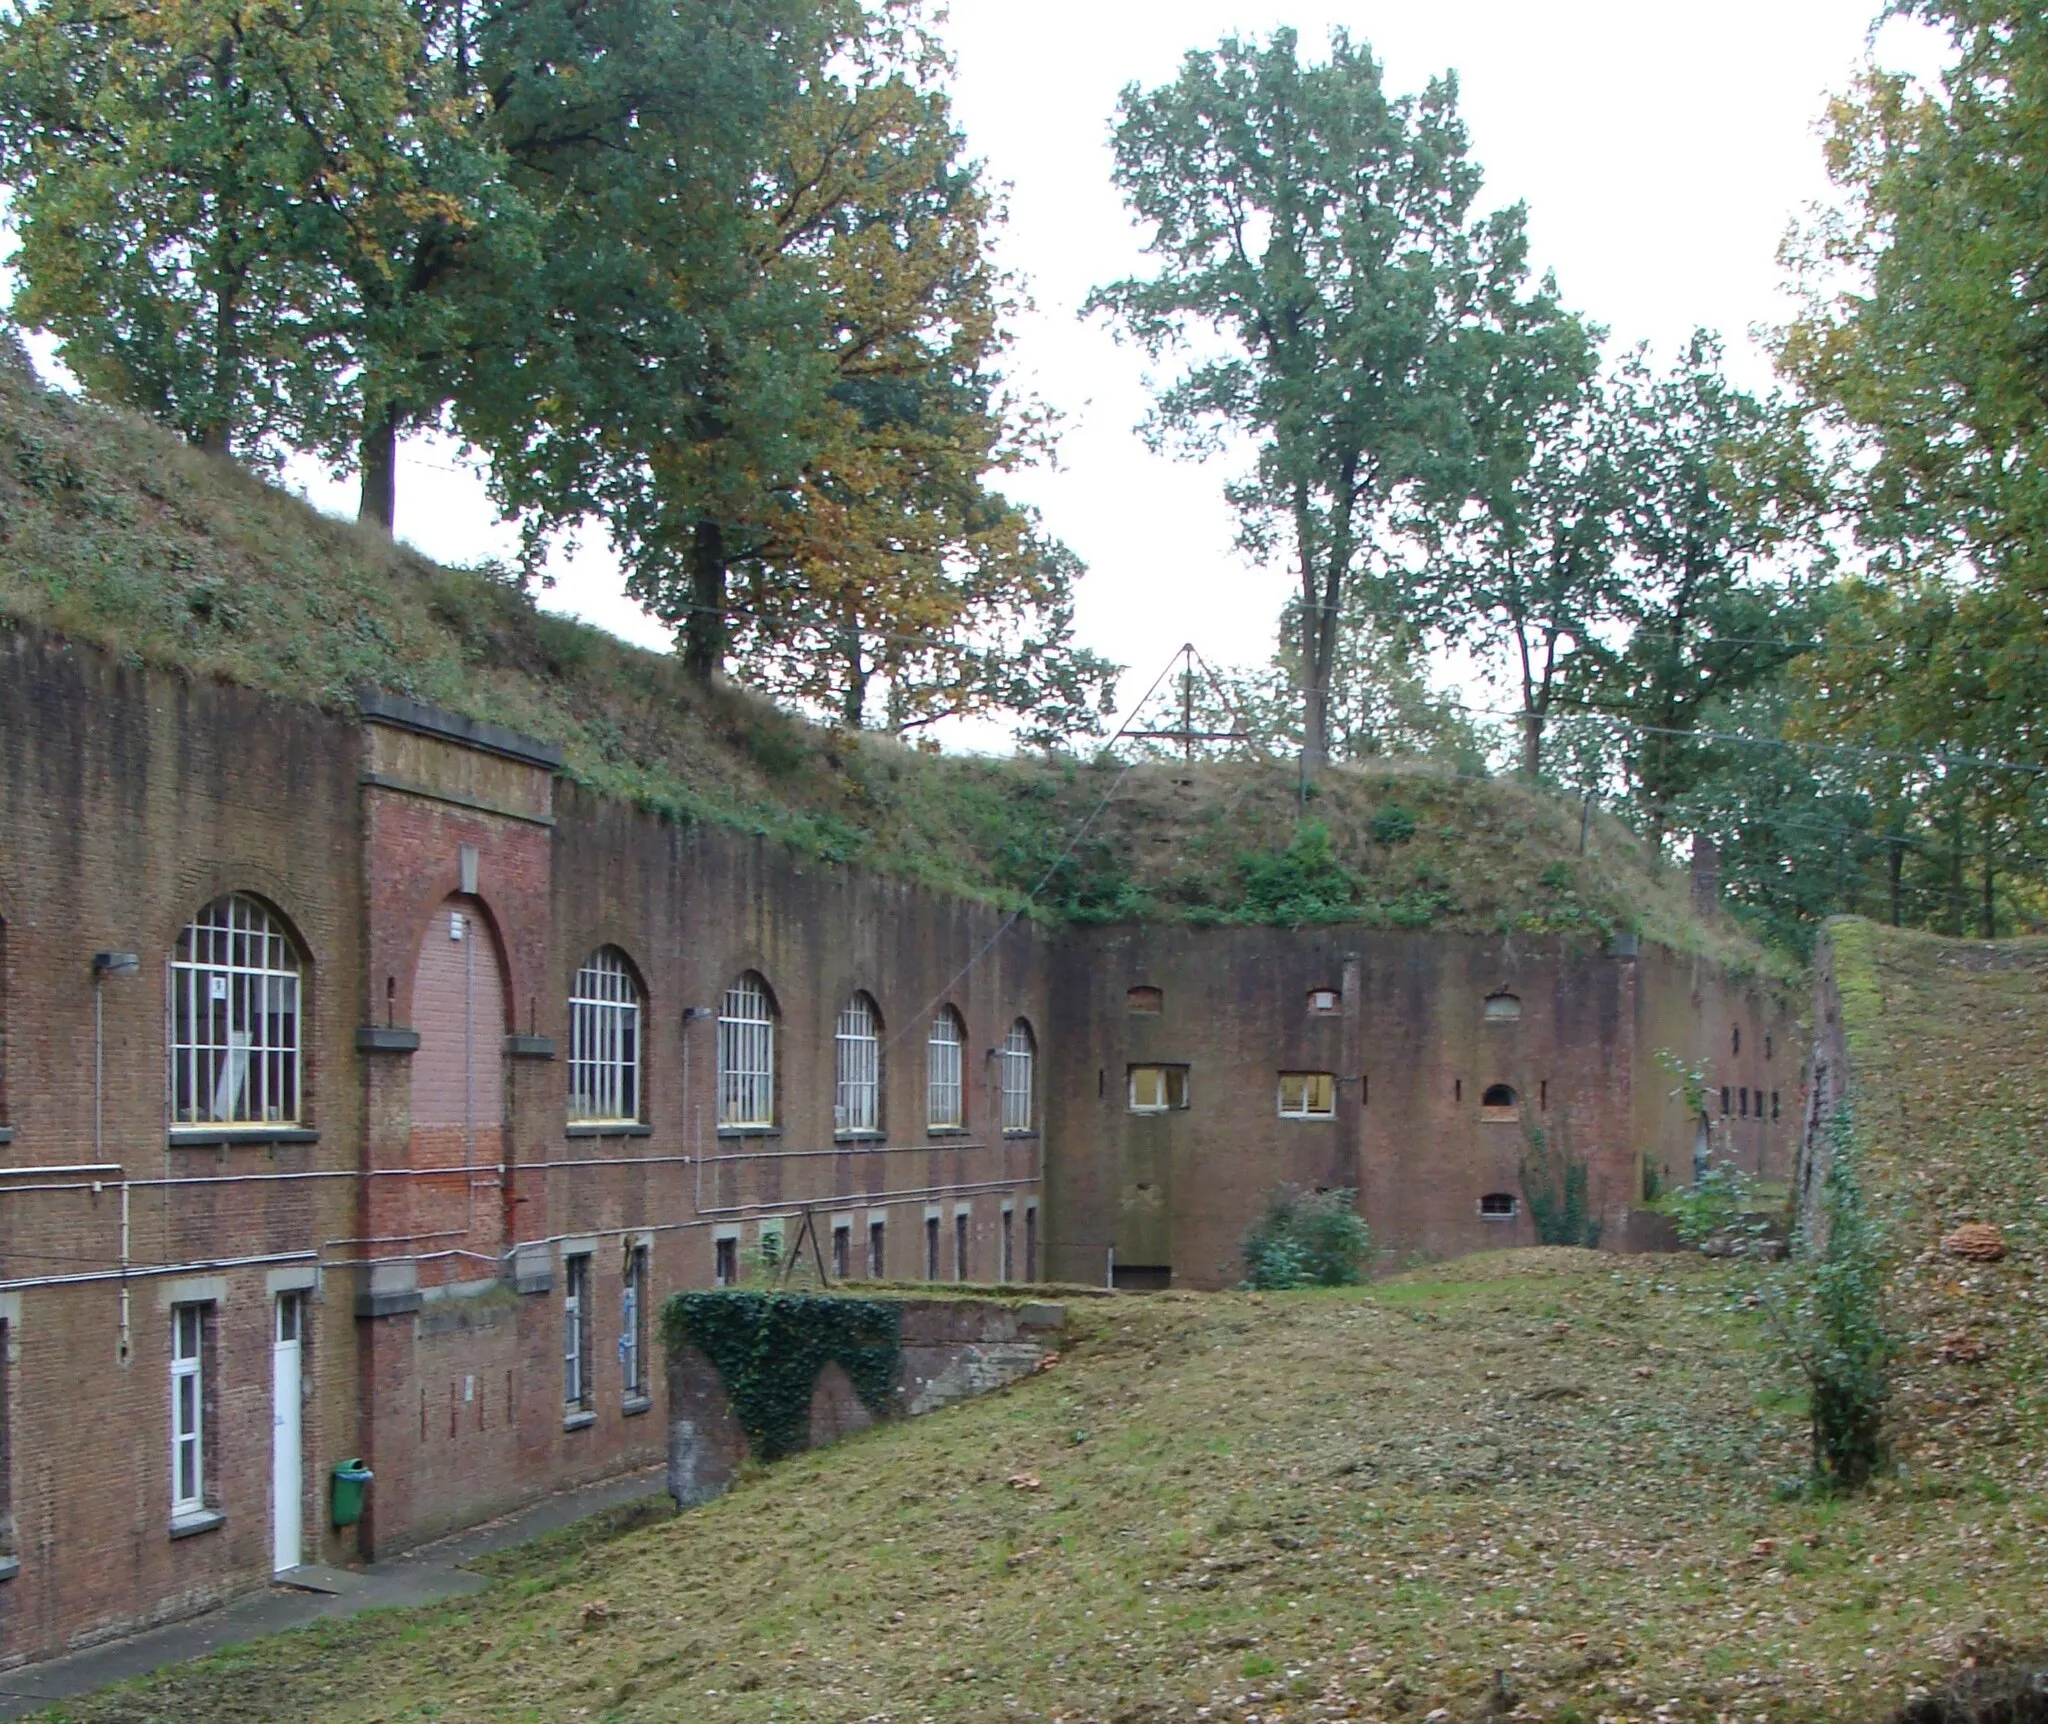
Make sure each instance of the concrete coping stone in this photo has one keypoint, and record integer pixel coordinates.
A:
(378, 706)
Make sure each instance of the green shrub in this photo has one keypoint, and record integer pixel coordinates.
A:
(1836, 1329)
(1307, 1239)
(1557, 1191)
(1719, 1204)
(1393, 824)
(1303, 883)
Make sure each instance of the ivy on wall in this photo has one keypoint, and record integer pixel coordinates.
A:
(768, 1349)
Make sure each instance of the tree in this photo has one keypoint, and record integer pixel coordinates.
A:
(1530, 568)
(1325, 231)
(1712, 484)
(1925, 330)
(160, 180)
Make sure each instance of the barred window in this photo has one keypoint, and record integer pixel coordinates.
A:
(746, 1054)
(946, 1101)
(1017, 1057)
(857, 1099)
(604, 1039)
(234, 1018)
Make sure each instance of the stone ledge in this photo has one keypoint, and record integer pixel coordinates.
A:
(371, 1039)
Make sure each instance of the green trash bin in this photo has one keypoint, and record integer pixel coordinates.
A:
(351, 1485)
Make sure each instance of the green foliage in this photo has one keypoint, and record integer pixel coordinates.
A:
(1302, 884)
(1556, 1189)
(1307, 1239)
(768, 1349)
(1393, 824)
(1836, 1329)
(1721, 1204)
(1380, 343)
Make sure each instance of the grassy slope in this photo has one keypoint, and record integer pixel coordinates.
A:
(1555, 1465)
(1948, 1048)
(113, 533)
(1361, 1504)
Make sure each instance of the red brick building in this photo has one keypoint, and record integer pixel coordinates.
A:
(365, 1086)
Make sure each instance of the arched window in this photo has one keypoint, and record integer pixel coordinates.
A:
(945, 1085)
(604, 1040)
(1498, 1095)
(1018, 1053)
(235, 1018)
(857, 1098)
(746, 1054)
(1503, 1009)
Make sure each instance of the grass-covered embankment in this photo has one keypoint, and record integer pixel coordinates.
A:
(114, 534)
(1556, 1466)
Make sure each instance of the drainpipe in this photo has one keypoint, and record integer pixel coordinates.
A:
(105, 964)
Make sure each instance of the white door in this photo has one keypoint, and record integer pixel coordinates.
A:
(287, 1485)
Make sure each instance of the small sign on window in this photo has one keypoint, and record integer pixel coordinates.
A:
(217, 987)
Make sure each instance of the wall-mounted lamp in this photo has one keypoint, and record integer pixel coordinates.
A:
(115, 964)
(104, 964)
(695, 1014)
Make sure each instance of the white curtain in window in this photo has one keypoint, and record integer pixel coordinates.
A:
(234, 1018)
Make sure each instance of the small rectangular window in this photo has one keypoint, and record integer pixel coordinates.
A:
(878, 1250)
(1499, 1206)
(1031, 1242)
(1009, 1247)
(1308, 1095)
(931, 1248)
(770, 1245)
(960, 1236)
(1158, 1089)
(1323, 1001)
(191, 1363)
(1774, 1104)
(842, 1250)
(1725, 1093)
(1743, 1101)
(725, 1261)
(633, 1326)
(576, 1332)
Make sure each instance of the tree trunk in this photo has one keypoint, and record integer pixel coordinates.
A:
(1319, 658)
(377, 503)
(853, 709)
(1958, 894)
(216, 436)
(1895, 864)
(704, 628)
(1988, 920)
(1532, 745)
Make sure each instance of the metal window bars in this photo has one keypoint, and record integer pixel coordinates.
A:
(746, 1055)
(857, 1097)
(1016, 1072)
(945, 1107)
(604, 1040)
(234, 1043)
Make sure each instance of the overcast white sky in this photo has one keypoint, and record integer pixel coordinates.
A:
(1661, 148)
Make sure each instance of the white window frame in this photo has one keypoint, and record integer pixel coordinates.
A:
(188, 1413)
(576, 1332)
(1018, 1058)
(633, 1325)
(1302, 1102)
(721, 1239)
(946, 1073)
(236, 1021)
(857, 1091)
(1157, 1097)
(1513, 1209)
(746, 1055)
(604, 1041)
